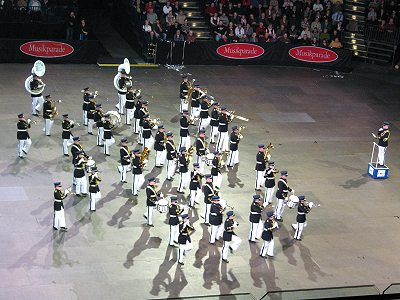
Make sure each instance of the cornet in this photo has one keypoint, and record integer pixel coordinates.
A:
(31, 121)
(75, 123)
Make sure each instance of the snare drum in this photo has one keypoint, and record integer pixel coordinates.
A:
(208, 158)
(292, 202)
(115, 118)
(90, 165)
(162, 205)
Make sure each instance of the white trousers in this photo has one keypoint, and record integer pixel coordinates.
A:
(183, 248)
(59, 219)
(213, 133)
(269, 192)
(48, 124)
(259, 179)
(93, 198)
(136, 128)
(24, 145)
(129, 115)
(173, 234)
(122, 170)
(217, 180)
(201, 163)
(216, 233)
(107, 144)
(267, 248)
(100, 136)
(206, 214)
(234, 245)
(37, 104)
(81, 185)
(84, 117)
(184, 142)
(171, 167)
(194, 197)
(121, 103)
(203, 123)
(280, 207)
(195, 112)
(183, 106)
(160, 158)
(255, 231)
(149, 214)
(137, 182)
(381, 155)
(148, 142)
(66, 144)
(184, 180)
(299, 230)
(223, 141)
(233, 158)
(90, 125)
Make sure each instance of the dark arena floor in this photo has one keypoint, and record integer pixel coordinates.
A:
(321, 127)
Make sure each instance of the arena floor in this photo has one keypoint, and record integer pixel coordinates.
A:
(321, 128)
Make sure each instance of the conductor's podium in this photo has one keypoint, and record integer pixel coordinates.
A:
(378, 172)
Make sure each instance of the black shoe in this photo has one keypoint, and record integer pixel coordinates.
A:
(252, 241)
(213, 143)
(181, 263)
(100, 145)
(231, 250)
(258, 190)
(24, 151)
(180, 192)
(144, 217)
(150, 225)
(84, 195)
(78, 195)
(48, 134)
(36, 115)
(207, 224)
(66, 154)
(225, 261)
(135, 195)
(170, 179)
(107, 154)
(123, 181)
(91, 133)
(263, 256)
(279, 220)
(174, 246)
(64, 228)
(21, 157)
(54, 228)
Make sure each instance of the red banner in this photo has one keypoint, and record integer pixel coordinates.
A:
(313, 54)
(240, 51)
(46, 49)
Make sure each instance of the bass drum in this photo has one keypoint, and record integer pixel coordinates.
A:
(292, 202)
(115, 118)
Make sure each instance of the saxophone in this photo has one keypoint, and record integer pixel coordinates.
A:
(144, 156)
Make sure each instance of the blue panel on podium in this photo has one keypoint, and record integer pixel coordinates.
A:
(378, 172)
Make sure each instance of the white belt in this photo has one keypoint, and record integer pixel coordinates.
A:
(233, 142)
(146, 129)
(184, 127)
(22, 130)
(222, 124)
(107, 129)
(214, 119)
(301, 213)
(213, 214)
(254, 213)
(204, 109)
(172, 216)
(259, 162)
(66, 129)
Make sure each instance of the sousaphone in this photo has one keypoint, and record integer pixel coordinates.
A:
(39, 69)
(123, 68)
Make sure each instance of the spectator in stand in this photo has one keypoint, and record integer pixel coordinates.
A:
(325, 35)
(325, 43)
(149, 7)
(150, 38)
(175, 8)
(170, 19)
(318, 6)
(336, 43)
(382, 15)
(243, 21)
(239, 32)
(316, 25)
(220, 32)
(151, 16)
(382, 26)
(190, 37)
(172, 31)
(253, 38)
(231, 37)
(314, 42)
(314, 35)
(371, 17)
(83, 30)
(230, 10)
(248, 31)
(224, 19)
(235, 19)
(262, 18)
(159, 31)
(390, 27)
(335, 34)
(284, 21)
(214, 21)
(71, 25)
(304, 23)
(260, 30)
(304, 40)
(284, 38)
(211, 10)
(180, 17)
(327, 24)
(293, 33)
(252, 21)
(178, 37)
(281, 30)
(185, 27)
(147, 27)
(337, 17)
(305, 31)
(287, 6)
(167, 8)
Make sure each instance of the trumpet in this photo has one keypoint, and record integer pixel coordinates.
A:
(75, 123)
(267, 153)
(31, 121)
(240, 135)
(232, 114)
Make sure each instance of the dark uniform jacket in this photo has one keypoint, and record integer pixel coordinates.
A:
(302, 210)
(184, 233)
(205, 106)
(136, 167)
(195, 98)
(267, 234)
(125, 155)
(86, 100)
(94, 183)
(215, 117)
(159, 141)
(216, 166)
(22, 130)
(75, 148)
(223, 122)
(283, 189)
(200, 147)
(255, 212)
(107, 129)
(79, 164)
(228, 230)
(47, 109)
(184, 89)
(146, 129)
(234, 142)
(208, 191)
(216, 214)
(91, 109)
(195, 181)
(130, 100)
(138, 107)
(261, 163)
(183, 163)
(98, 118)
(270, 178)
(66, 127)
(143, 111)
(184, 122)
(171, 150)
(59, 195)
(174, 212)
(151, 195)
(383, 135)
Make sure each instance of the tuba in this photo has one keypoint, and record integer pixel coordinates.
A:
(190, 91)
(144, 156)
(127, 68)
(39, 69)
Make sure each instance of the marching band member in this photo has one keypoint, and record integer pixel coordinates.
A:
(66, 134)
(223, 136)
(142, 112)
(151, 203)
(261, 162)
(147, 136)
(231, 240)
(269, 182)
(184, 175)
(94, 190)
(195, 185)
(159, 146)
(129, 105)
(281, 195)
(108, 135)
(99, 119)
(76, 148)
(195, 102)
(37, 99)
(80, 175)
(383, 137)
(59, 216)
(268, 236)
(302, 210)
(125, 158)
(171, 156)
(234, 140)
(124, 82)
(216, 169)
(255, 218)
(87, 95)
(174, 211)
(205, 119)
(216, 111)
(201, 149)
(48, 110)
(137, 114)
(137, 172)
(24, 140)
(184, 240)
(91, 110)
(183, 93)
(184, 130)
(208, 192)
(216, 216)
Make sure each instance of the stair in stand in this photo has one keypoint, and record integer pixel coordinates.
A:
(197, 21)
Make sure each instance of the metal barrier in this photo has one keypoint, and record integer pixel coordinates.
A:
(372, 33)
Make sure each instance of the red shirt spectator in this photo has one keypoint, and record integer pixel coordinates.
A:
(149, 5)
(246, 3)
(211, 10)
(260, 30)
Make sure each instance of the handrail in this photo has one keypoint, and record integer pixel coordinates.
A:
(373, 33)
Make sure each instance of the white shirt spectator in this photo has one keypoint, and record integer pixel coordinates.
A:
(167, 8)
(239, 31)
